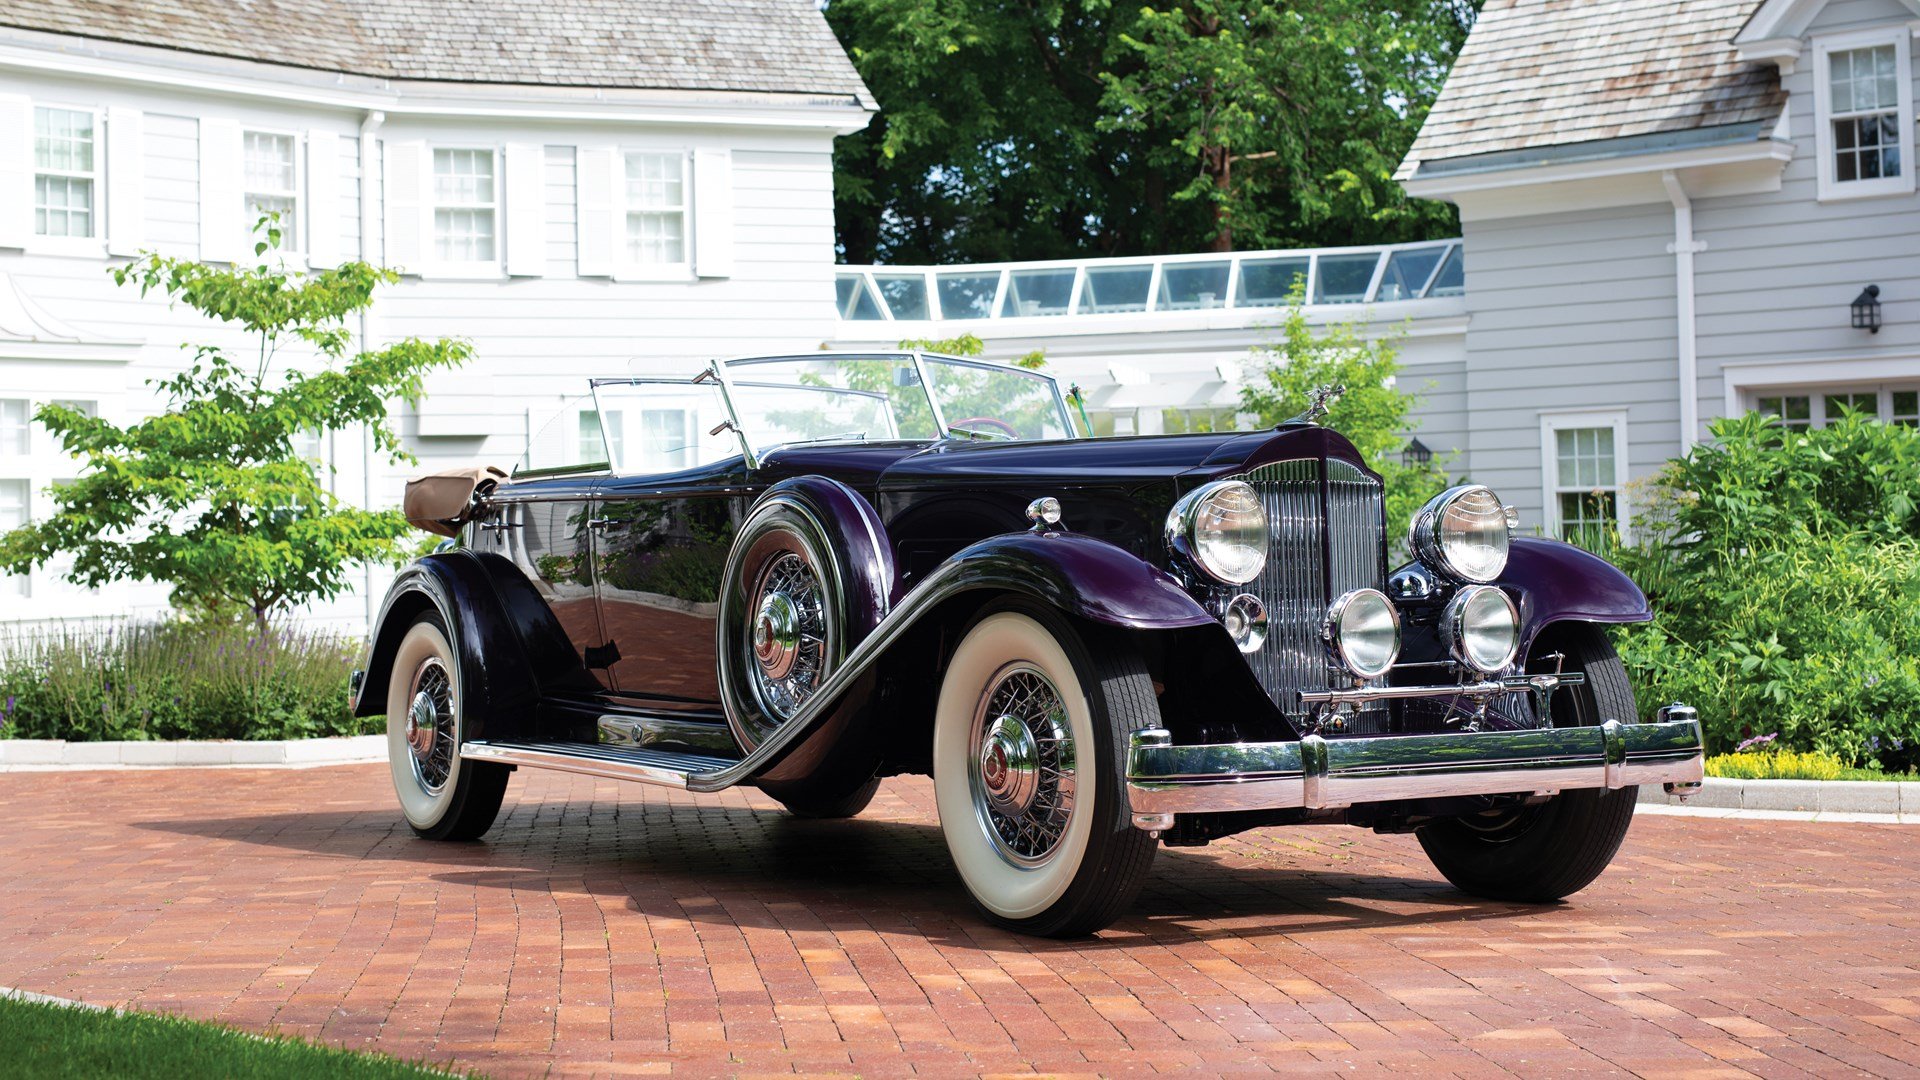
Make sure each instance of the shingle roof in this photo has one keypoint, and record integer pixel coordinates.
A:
(1537, 73)
(777, 46)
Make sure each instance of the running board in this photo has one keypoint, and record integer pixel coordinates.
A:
(663, 768)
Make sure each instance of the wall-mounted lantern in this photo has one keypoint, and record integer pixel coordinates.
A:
(1866, 310)
(1416, 455)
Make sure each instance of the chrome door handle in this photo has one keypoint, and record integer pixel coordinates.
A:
(600, 523)
(496, 526)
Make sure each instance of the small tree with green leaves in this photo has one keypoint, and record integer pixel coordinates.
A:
(1374, 413)
(211, 496)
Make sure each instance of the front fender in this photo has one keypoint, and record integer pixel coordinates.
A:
(1084, 576)
(1557, 582)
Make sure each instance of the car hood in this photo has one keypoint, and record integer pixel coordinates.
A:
(1131, 459)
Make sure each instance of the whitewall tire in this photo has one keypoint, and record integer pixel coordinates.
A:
(1028, 772)
(442, 796)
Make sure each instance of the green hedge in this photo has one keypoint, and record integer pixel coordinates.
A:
(1784, 572)
(179, 681)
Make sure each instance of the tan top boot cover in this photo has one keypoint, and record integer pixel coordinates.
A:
(440, 502)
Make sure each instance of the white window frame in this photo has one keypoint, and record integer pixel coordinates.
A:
(96, 244)
(627, 268)
(1551, 423)
(298, 194)
(1816, 393)
(430, 257)
(1828, 186)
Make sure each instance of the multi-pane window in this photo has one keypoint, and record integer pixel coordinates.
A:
(665, 432)
(595, 445)
(465, 206)
(272, 183)
(1905, 408)
(13, 514)
(656, 203)
(1804, 410)
(1864, 111)
(14, 415)
(1586, 484)
(65, 172)
(1794, 410)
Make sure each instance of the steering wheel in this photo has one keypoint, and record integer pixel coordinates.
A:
(1011, 431)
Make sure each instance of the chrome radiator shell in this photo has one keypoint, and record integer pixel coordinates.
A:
(1327, 519)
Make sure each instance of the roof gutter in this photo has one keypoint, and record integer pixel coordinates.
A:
(1726, 145)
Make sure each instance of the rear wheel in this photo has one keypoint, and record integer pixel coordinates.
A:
(1537, 854)
(443, 796)
(1029, 751)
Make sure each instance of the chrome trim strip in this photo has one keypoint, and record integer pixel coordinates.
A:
(1317, 773)
(656, 767)
(1511, 684)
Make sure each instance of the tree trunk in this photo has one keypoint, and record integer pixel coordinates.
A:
(1220, 166)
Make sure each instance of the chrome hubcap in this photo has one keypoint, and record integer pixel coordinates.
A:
(776, 635)
(430, 726)
(1022, 765)
(789, 638)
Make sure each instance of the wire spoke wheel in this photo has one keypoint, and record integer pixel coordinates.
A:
(430, 724)
(1021, 765)
(787, 648)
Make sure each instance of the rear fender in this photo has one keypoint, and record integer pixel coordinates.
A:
(504, 639)
(1556, 582)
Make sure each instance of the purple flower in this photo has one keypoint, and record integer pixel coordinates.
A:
(1758, 742)
(8, 713)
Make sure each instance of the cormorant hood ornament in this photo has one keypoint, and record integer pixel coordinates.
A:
(1320, 401)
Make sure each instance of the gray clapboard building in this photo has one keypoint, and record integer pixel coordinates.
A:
(1670, 210)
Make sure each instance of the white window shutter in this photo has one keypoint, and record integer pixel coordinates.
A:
(406, 182)
(713, 213)
(225, 234)
(322, 233)
(126, 169)
(597, 227)
(16, 170)
(526, 209)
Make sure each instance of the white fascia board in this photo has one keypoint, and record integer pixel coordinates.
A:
(1736, 168)
(1782, 52)
(1777, 19)
(1439, 317)
(90, 58)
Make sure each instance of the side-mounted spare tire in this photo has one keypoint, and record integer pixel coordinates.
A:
(808, 578)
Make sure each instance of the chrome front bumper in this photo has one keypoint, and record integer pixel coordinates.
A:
(1316, 773)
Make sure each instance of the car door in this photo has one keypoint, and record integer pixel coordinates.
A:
(662, 531)
(545, 529)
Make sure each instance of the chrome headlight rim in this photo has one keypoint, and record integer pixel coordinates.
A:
(1426, 537)
(1184, 520)
(1331, 632)
(1454, 628)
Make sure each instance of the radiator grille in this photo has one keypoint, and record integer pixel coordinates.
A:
(1329, 537)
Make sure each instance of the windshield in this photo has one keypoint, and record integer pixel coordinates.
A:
(967, 399)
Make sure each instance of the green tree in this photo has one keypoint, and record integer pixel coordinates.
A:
(1053, 128)
(1373, 412)
(210, 496)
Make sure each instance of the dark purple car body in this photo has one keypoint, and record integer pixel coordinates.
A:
(608, 624)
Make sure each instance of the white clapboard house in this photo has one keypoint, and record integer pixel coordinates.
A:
(584, 188)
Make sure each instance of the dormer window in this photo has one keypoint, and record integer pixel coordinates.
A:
(1863, 97)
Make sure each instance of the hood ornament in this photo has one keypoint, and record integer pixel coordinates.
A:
(1320, 401)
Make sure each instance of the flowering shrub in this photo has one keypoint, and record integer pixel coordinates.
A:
(179, 681)
(1784, 572)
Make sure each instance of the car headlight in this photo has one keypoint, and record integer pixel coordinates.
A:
(1481, 628)
(1463, 533)
(1222, 527)
(1363, 630)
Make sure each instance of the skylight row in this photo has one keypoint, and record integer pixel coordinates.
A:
(1113, 286)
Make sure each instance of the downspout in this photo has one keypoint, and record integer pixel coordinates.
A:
(369, 200)
(1683, 248)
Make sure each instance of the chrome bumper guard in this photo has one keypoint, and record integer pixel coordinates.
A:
(1316, 773)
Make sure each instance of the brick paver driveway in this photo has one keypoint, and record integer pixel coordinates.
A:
(610, 928)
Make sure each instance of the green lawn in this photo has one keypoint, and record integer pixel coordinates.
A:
(48, 1041)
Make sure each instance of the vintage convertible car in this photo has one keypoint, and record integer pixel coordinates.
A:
(805, 573)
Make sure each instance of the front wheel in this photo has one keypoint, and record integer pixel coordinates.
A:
(1029, 747)
(1538, 854)
(443, 796)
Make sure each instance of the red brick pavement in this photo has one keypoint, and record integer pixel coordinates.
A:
(610, 929)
